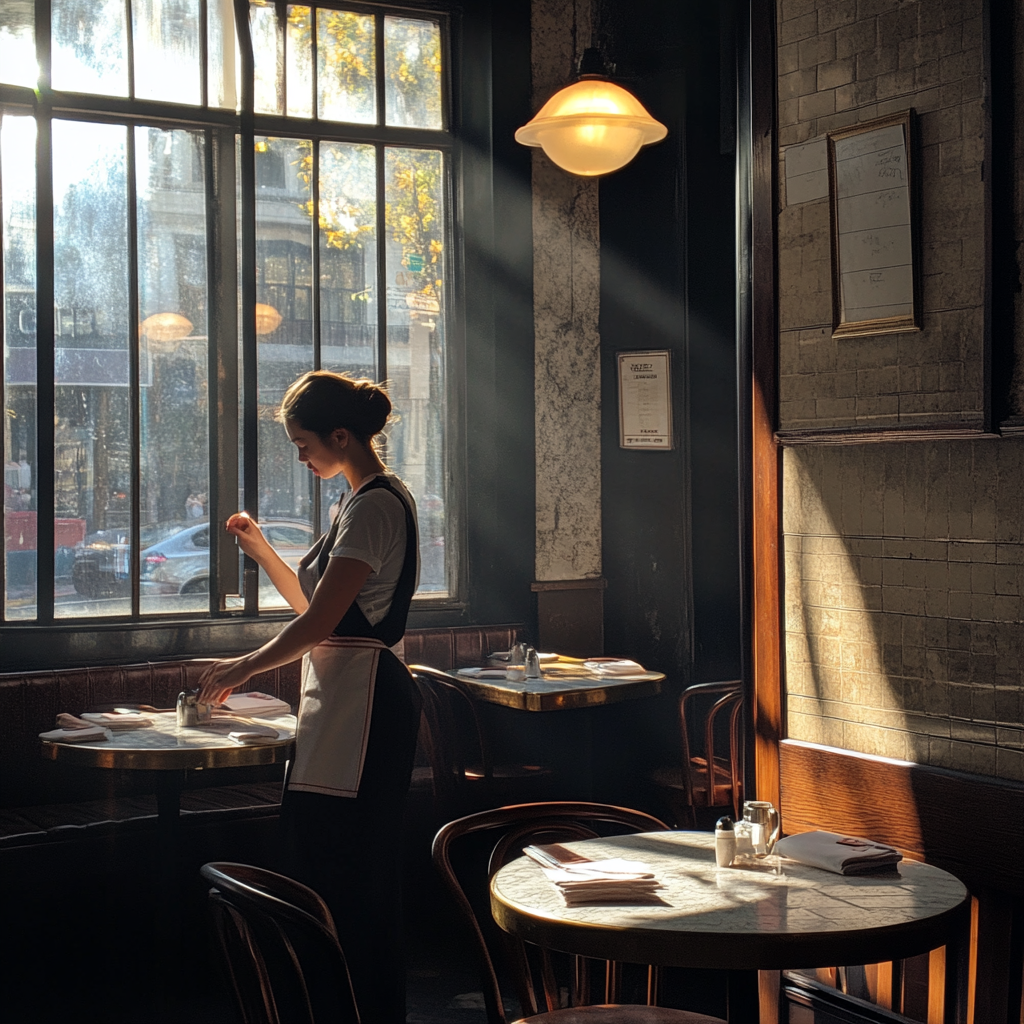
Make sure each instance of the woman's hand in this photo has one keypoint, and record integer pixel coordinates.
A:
(249, 536)
(221, 677)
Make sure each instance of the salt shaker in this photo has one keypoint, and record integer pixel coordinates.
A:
(725, 842)
(532, 663)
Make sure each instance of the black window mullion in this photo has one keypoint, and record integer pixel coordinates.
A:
(314, 298)
(45, 357)
(134, 404)
(382, 271)
(204, 55)
(222, 358)
(130, 29)
(247, 180)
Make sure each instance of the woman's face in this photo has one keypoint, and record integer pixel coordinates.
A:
(323, 457)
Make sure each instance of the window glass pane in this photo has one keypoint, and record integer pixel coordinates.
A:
(415, 253)
(299, 63)
(18, 193)
(284, 327)
(165, 37)
(222, 54)
(92, 421)
(348, 271)
(346, 66)
(412, 66)
(174, 441)
(267, 94)
(89, 46)
(17, 44)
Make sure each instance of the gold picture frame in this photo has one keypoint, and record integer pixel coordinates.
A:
(872, 203)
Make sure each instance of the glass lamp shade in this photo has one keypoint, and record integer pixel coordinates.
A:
(267, 319)
(592, 127)
(161, 327)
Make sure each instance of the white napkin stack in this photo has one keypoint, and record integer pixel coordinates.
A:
(119, 718)
(253, 735)
(621, 667)
(584, 881)
(256, 705)
(843, 855)
(74, 730)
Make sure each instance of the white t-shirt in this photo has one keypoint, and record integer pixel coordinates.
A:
(371, 529)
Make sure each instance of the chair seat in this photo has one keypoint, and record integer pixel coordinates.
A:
(609, 1014)
(671, 777)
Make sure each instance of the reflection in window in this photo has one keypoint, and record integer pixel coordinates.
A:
(89, 46)
(412, 58)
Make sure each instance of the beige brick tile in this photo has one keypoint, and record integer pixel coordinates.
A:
(836, 14)
(788, 58)
(1010, 764)
(835, 73)
(793, 134)
(799, 28)
(798, 83)
(855, 38)
(873, 740)
(878, 61)
(788, 114)
(817, 105)
(819, 49)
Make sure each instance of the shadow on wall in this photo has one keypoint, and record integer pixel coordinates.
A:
(904, 575)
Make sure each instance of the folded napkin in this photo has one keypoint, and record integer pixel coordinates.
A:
(844, 855)
(482, 673)
(117, 719)
(614, 667)
(75, 734)
(582, 881)
(253, 735)
(259, 705)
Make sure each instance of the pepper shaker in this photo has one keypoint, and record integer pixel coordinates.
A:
(532, 663)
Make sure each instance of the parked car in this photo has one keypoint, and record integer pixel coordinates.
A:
(181, 563)
(101, 561)
(175, 557)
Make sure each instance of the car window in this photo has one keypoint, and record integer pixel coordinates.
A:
(288, 536)
(201, 538)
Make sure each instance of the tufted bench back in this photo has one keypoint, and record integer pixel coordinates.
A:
(30, 702)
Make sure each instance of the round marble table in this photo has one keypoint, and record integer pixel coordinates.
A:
(736, 920)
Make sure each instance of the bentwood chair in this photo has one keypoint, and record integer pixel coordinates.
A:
(464, 775)
(281, 948)
(537, 975)
(704, 777)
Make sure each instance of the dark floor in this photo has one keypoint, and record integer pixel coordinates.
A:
(79, 945)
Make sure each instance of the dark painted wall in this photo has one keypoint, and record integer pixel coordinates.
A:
(668, 282)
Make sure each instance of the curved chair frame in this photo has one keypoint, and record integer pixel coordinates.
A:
(260, 915)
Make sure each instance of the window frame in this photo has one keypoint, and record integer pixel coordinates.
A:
(50, 640)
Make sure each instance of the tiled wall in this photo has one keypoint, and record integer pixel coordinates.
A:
(904, 562)
(904, 586)
(841, 63)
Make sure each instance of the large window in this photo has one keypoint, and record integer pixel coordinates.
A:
(195, 211)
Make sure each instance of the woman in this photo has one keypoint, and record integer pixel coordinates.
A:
(341, 813)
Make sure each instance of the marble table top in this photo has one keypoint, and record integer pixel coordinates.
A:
(556, 692)
(741, 919)
(163, 746)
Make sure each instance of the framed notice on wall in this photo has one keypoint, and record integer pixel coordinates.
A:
(645, 400)
(874, 253)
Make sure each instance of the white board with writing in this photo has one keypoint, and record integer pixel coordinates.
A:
(645, 400)
(873, 261)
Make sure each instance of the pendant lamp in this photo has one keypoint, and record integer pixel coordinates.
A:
(593, 126)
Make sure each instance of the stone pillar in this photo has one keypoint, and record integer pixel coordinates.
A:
(566, 288)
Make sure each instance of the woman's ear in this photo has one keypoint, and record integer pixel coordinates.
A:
(340, 438)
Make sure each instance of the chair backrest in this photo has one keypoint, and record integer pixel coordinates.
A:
(453, 735)
(699, 765)
(281, 947)
(513, 828)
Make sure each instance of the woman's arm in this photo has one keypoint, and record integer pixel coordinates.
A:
(253, 543)
(333, 597)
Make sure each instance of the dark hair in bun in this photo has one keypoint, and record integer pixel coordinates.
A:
(323, 402)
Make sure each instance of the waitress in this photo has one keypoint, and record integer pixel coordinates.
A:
(341, 812)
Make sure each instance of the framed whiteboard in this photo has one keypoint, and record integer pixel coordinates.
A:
(645, 400)
(875, 277)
